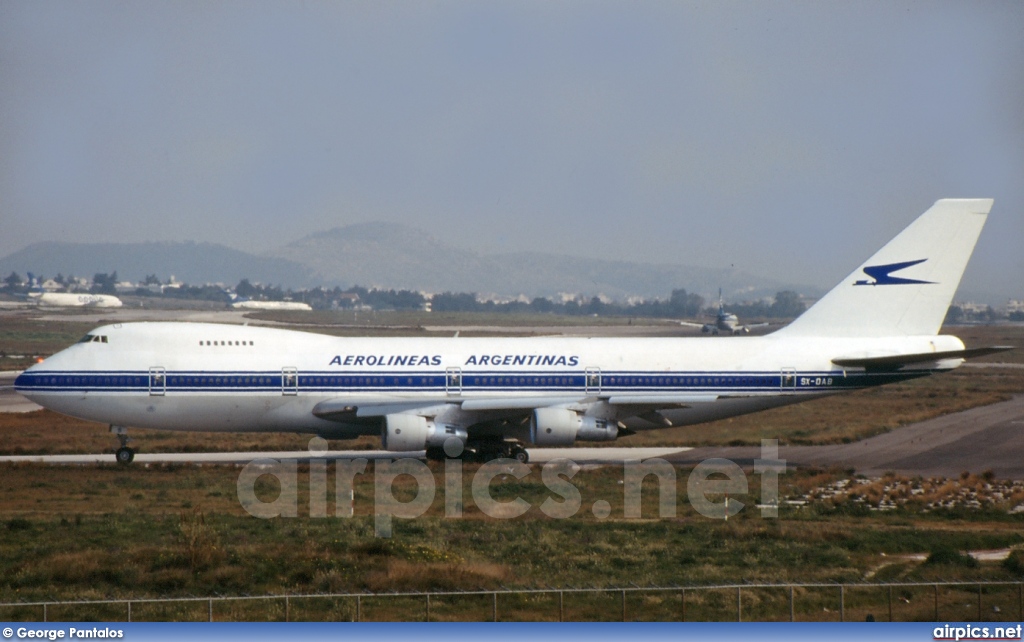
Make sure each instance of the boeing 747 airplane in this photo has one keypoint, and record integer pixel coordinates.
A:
(492, 396)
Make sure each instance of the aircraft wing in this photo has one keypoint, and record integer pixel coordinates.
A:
(349, 409)
(354, 409)
(894, 362)
(692, 325)
(529, 403)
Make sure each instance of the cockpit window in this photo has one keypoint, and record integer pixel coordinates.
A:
(89, 338)
(86, 339)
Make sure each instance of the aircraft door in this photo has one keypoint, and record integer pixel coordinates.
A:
(593, 381)
(289, 381)
(788, 380)
(453, 381)
(157, 382)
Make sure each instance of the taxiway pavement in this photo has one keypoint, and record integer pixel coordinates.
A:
(580, 456)
(977, 440)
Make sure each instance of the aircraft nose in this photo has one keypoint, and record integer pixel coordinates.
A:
(27, 378)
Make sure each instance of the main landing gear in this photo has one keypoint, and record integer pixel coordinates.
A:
(124, 454)
(505, 450)
(519, 454)
(484, 451)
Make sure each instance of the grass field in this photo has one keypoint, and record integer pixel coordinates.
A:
(92, 532)
(81, 532)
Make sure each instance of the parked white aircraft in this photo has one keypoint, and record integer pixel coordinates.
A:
(249, 304)
(494, 394)
(76, 300)
(724, 322)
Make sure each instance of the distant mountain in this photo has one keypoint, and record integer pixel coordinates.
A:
(389, 255)
(193, 263)
(397, 256)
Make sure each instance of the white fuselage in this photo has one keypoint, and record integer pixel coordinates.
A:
(208, 377)
(77, 300)
(271, 305)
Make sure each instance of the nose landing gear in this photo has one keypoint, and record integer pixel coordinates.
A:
(124, 454)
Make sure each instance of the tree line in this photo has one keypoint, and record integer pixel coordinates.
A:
(679, 304)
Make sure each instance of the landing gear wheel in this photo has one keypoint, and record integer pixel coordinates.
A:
(124, 454)
(519, 454)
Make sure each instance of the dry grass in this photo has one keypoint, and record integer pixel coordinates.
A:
(104, 531)
(405, 575)
(976, 336)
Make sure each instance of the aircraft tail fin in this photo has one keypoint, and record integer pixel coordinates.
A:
(907, 286)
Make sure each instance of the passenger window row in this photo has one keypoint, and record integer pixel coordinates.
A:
(343, 381)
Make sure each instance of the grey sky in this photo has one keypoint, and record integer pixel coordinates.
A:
(791, 139)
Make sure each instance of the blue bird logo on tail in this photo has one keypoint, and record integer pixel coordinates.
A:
(882, 274)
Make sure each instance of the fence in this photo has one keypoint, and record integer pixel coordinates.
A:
(757, 602)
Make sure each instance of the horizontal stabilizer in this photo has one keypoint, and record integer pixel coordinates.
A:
(892, 362)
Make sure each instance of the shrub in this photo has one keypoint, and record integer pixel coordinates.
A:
(951, 557)
(1014, 563)
(19, 524)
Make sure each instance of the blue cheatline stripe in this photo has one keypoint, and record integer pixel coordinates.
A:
(496, 382)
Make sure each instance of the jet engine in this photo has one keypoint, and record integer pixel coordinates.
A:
(561, 427)
(413, 432)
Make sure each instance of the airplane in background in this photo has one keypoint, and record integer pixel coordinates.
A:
(41, 297)
(724, 322)
(492, 396)
(75, 300)
(249, 304)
